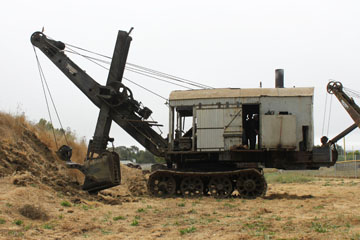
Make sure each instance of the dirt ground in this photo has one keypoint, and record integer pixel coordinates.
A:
(322, 209)
(41, 199)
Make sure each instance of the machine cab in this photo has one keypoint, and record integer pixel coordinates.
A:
(223, 119)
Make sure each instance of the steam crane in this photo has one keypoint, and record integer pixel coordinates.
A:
(206, 150)
(116, 103)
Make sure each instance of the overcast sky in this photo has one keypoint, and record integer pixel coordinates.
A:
(218, 43)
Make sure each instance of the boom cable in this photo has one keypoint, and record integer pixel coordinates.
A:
(147, 70)
(172, 76)
(93, 61)
(167, 100)
(134, 70)
(43, 80)
(327, 133)
(352, 92)
(130, 69)
(323, 126)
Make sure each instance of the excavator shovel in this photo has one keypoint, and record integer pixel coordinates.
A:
(100, 173)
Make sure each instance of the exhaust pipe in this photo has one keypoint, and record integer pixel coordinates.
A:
(279, 78)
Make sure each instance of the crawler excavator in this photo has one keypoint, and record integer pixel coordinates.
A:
(208, 155)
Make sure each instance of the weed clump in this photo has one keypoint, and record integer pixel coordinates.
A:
(141, 210)
(65, 204)
(134, 222)
(18, 222)
(33, 212)
(117, 218)
(48, 226)
(187, 230)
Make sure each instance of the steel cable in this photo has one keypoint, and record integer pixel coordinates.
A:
(46, 100)
(323, 127)
(183, 80)
(148, 70)
(352, 92)
(327, 133)
(167, 100)
(51, 98)
(91, 60)
(134, 70)
(145, 74)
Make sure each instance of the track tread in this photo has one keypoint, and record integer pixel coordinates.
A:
(206, 176)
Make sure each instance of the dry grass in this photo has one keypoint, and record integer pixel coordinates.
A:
(79, 147)
(14, 127)
(290, 213)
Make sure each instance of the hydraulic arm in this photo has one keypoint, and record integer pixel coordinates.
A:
(116, 103)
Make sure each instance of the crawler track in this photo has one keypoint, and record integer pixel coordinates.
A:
(248, 183)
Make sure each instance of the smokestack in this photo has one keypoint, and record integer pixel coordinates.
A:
(279, 78)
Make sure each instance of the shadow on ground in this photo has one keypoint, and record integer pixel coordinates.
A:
(287, 196)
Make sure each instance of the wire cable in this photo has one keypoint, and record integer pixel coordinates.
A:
(46, 100)
(167, 100)
(152, 119)
(171, 76)
(93, 60)
(150, 71)
(323, 127)
(327, 133)
(145, 74)
(352, 92)
(86, 56)
(52, 100)
(89, 59)
(101, 55)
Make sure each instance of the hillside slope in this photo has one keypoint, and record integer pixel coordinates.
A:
(33, 178)
(27, 154)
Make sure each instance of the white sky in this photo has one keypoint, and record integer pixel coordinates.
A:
(218, 43)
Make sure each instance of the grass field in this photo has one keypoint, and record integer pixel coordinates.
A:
(295, 207)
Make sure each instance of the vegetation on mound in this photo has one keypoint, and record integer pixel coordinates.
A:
(46, 133)
(65, 204)
(28, 154)
(22, 140)
(13, 128)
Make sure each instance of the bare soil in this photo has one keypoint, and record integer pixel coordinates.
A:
(323, 209)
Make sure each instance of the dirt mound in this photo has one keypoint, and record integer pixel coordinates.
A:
(133, 184)
(30, 162)
(134, 180)
(27, 154)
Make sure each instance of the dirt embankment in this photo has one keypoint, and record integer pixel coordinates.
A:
(27, 155)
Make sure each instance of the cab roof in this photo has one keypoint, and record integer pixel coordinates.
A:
(240, 93)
